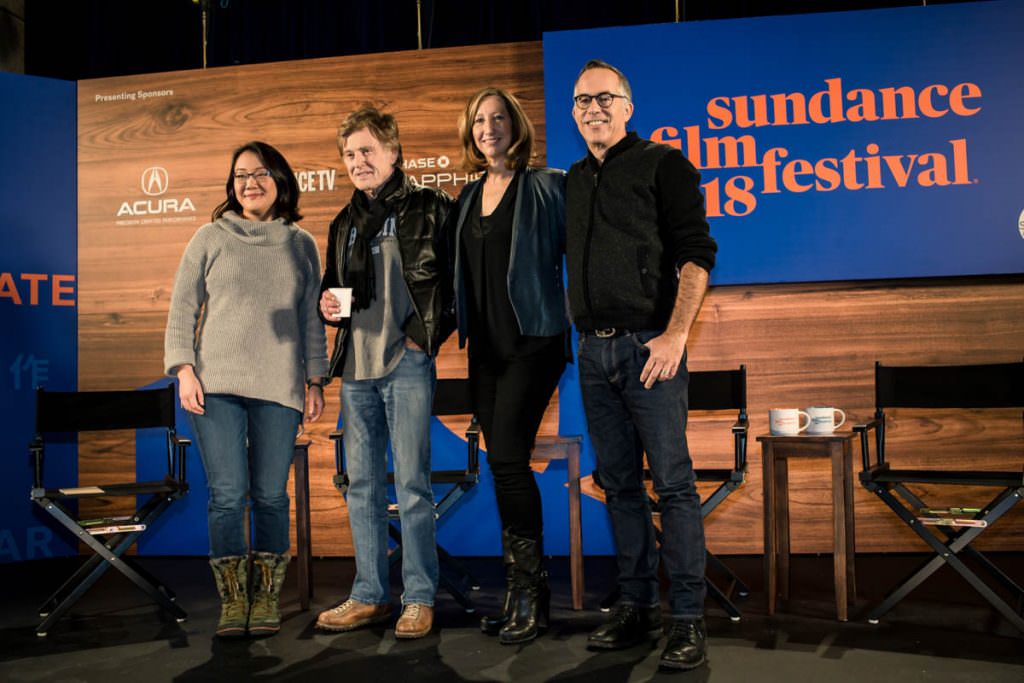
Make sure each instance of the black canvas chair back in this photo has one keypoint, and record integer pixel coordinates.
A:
(716, 391)
(63, 415)
(90, 411)
(948, 531)
(452, 397)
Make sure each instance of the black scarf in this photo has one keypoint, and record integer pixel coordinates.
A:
(368, 218)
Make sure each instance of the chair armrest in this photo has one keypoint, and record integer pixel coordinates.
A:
(36, 449)
(740, 429)
(862, 430)
(340, 479)
(867, 426)
(179, 444)
(473, 443)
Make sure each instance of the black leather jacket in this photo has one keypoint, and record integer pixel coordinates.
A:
(420, 217)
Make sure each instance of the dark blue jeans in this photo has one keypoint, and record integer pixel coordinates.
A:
(626, 420)
(235, 472)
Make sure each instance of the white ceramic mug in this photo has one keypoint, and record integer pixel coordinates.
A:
(787, 422)
(344, 297)
(823, 419)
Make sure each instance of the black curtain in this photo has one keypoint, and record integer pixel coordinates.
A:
(100, 38)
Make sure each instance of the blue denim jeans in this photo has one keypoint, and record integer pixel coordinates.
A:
(625, 420)
(374, 411)
(232, 475)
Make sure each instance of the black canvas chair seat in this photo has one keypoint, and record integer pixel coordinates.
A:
(60, 415)
(884, 475)
(451, 397)
(714, 390)
(948, 531)
(106, 490)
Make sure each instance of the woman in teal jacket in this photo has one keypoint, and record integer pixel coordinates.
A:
(510, 305)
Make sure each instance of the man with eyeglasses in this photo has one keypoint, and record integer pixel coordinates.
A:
(638, 256)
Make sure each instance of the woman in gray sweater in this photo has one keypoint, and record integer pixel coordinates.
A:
(249, 351)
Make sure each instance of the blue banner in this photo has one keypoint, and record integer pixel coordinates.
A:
(840, 146)
(38, 299)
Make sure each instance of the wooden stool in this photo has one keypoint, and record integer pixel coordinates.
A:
(774, 453)
(546, 449)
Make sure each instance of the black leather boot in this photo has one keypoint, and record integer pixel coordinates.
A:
(687, 646)
(491, 624)
(532, 601)
(629, 625)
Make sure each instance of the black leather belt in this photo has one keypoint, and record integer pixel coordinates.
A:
(608, 332)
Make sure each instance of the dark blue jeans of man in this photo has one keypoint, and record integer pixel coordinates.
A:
(626, 420)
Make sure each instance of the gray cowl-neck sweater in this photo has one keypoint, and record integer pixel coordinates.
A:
(244, 310)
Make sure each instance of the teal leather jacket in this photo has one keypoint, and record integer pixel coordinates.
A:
(535, 283)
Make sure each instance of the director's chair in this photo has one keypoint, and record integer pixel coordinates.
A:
(948, 531)
(58, 416)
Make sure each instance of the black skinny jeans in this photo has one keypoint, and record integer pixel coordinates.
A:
(511, 397)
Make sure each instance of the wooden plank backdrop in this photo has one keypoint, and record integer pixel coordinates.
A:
(802, 344)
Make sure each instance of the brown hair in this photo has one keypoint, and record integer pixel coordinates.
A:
(519, 152)
(381, 126)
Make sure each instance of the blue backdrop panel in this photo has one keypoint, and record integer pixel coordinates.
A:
(931, 187)
(38, 297)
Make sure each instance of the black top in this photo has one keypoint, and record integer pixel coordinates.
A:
(487, 246)
(631, 221)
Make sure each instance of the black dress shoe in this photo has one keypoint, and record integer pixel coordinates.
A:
(628, 626)
(687, 645)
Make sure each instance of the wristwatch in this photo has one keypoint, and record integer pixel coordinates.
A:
(314, 383)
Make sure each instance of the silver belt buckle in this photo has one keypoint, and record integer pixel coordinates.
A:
(605, 333)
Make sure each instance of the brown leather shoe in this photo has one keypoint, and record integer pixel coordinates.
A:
(415, 622)
(352, 614)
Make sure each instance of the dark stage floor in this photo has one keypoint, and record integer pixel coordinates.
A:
(115, 634)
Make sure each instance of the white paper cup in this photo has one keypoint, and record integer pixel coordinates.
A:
(344, 297)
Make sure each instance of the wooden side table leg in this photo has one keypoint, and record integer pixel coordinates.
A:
(782, 520)
(575, 527)
(839, 539)
(768, 482)
(851, 534)
(302, 526)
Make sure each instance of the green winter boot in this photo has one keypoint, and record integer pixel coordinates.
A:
(232, 576)
(268, 577)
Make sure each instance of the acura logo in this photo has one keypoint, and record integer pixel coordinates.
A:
(154, 181)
